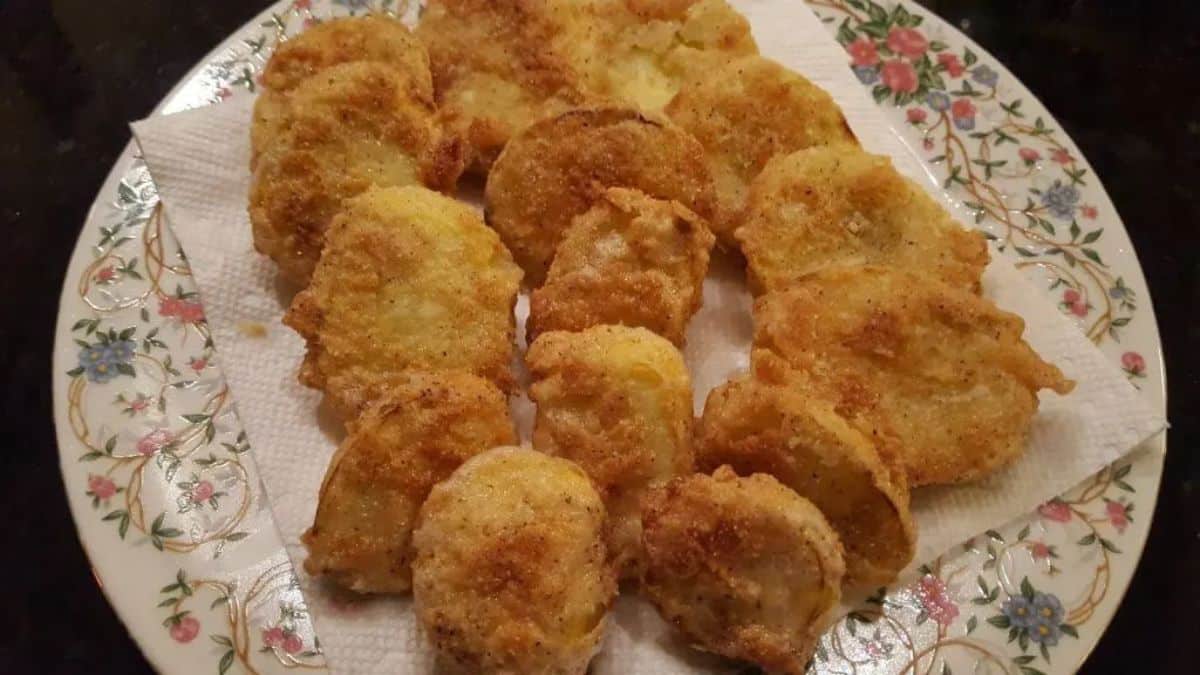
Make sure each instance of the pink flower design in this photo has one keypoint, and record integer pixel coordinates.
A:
(202, 492)
(273, 637)
(1029, 155)
(899, 76)
(302, 4)
(198, 364)
(153, 442)
(1061, 156)
(1039, 550)
(185, 630)
(187, 311)
(1089, 211)
(1075, 302)
(1056, 510)
(101, 487)
(862, 52)
(105, 274)
(1118, 515)
(962, 108)
(292, 643)
(224, 93)
(931, 591)
(140, 403)
(927, 143)
(907, 42)
(916, 115)
(1133, 363)
(950, 62)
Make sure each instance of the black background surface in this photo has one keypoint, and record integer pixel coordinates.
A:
(1122, 77)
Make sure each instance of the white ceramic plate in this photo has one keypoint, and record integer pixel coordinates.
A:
(170, 508)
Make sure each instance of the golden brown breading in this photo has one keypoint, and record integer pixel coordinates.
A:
(765, 422)
(409, 279)
(744, 567)
(744, 114)
(419, 431)
(372, 37)
(510, 574)
(500, 64)
(630, 260)
(647, 48)
(555, 169)
(618, 401)
(351, 127)
(944, 368)
(838, 205)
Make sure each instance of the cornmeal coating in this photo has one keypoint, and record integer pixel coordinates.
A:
(409, 279)
(747, 112)
(743, 567)
(510, 574)
(371, 37)
(498, 65)
(944, 369)
(630, 260)
(555, 169)
(648, 48)
(839, 205)
(765, 422)
(416, 434)
(617, 401)
(349, 128)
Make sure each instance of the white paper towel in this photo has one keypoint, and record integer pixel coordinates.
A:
(199, 162)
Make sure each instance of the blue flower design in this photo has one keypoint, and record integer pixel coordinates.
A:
(985, 76)
(98, 362)
(102, 362)
(939, 101)
(866, 74)
(1019, 611)
(1061, 200)
(1045, 633)
(1048, 608)
(964, 123)
(123, 350)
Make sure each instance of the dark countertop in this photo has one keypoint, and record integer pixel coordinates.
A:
(1122, 78)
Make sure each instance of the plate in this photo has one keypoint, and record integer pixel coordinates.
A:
(169, 506)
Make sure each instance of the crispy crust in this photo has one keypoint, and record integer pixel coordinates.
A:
(351, 127)
(838, 205)
(646, 49)
(630, 260)
(618, 401)
(419, 431)
(409, 279)
(744, 114)
(510, 574)
(500, 64)
(556, 168)
(371, 37)
(945, 369)
(744, 567)
(766, 422)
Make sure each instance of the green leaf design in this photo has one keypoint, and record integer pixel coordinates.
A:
(1000, 621)
(1027, 588)
(225, 663)
(1068, 629)
(1093, 236)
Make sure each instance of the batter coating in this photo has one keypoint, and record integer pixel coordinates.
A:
(743, 567)
(510, 574)
(409, 279)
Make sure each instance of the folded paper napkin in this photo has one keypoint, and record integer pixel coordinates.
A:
(199, 161)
